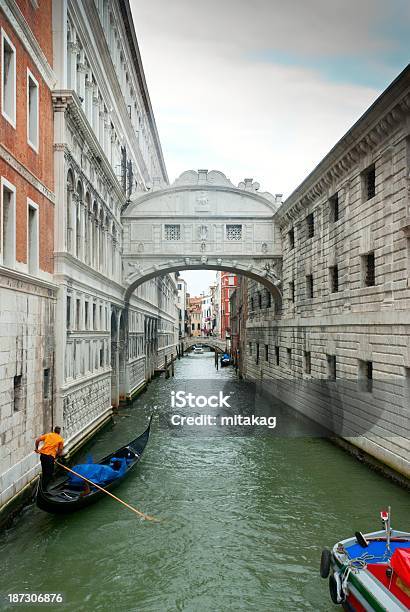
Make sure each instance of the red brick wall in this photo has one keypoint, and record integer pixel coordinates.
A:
(39, 21)
(15, 140)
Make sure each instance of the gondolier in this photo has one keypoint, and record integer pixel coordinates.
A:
(52, 447)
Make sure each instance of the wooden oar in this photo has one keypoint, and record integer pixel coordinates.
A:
(145, 516)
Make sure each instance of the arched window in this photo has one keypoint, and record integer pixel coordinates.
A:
(101, 234)
(94, 221)
(87, 228)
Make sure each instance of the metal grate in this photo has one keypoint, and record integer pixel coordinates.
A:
(310, 223)
(370, 182)
(309, 285)
(277, 355)
(331, 367)
(334, 279)
(291, 237)
(308, 362)
(370, 278)
(292, 291)
(172, 232)
(234, 232)
(334, 208)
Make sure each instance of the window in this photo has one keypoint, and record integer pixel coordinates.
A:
(77, 314)
(266, 352)
(309, 286)
(231, 280)
(250, 348)
(369, 183)
(252, 303)
(46, 383)
(101, 355)
(331, 367)
(8, 64)
(260, 299)
(94, 316)
(172, 232)
(179, 287)
(17, 393)
(268, 299)
(32, 238)
(257, 354)
(68, 312)
(310, 224)
(289, 357)
(277, 355)
(334, 208)
(308, 362)
(366, 376)
(291, 238)
(86, 315)
(234, 232)
(292, 291)
(368, 270)
(32, 111)
(334, 279)
(8, 224)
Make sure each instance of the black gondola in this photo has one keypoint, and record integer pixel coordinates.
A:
(61, 498)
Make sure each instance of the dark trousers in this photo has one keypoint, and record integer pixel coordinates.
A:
(47, 465)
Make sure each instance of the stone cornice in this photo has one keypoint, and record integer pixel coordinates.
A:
(26, 36)
(67, 101)
(108, 75)
(369, 132)
(27, 280)
(25, 173)
(136, 56)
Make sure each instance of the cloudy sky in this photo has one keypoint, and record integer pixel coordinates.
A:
(264, 88)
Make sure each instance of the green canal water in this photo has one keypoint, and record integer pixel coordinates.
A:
(244, 518)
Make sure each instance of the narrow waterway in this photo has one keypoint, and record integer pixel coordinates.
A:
(244, 517)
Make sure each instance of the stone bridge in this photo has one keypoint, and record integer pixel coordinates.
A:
(202, 221)
(215, 343)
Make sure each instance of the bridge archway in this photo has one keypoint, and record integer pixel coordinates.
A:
(202, 221)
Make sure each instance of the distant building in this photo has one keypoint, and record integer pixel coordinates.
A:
(182, 305)
(228, 282)
(27, 290)
(206, 316)
(215, 307)
(195, 316)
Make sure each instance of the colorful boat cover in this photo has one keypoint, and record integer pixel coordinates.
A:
(400, 563)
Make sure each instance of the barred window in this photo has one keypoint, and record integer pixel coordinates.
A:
(334, 279)
(266, 352)
(268, 299)
(331, 367)
(369, 183)
(292, 291)
(277, 355)
(334, 208)
(308, 363)
(310, 223)
(234, 232)
(291, 237)
(172, 232)
(309, 286)
(369, 274)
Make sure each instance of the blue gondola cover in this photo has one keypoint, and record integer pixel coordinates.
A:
(99, 474)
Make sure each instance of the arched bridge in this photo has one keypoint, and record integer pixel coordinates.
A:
(202, 221)
(216, 343)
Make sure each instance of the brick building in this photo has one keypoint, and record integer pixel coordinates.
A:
(346, 295)
(228, 282)
(27, 291)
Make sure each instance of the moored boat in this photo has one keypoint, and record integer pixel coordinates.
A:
(65, 495)
(370, 572)
(225, 360)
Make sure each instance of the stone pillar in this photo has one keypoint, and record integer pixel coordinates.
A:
(73, 50)
(89, 100)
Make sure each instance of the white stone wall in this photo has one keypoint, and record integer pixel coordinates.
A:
(357, 323)
(26, 350)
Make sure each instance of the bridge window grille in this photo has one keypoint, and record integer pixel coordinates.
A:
(18, 393)
(234, 232)
(366, 376)
(260, 300)
(268, 299)
(310, 224)
(266, 352)
(334, 208)
(172, 232)
(289, 356)
(257, 354)
(277, 355)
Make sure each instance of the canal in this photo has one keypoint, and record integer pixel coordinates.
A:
(244, 515)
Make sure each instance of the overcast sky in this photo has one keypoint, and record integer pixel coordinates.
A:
(264, 88)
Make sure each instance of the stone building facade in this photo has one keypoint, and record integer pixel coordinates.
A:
(106, 149)
(338, 349)
(27, 290)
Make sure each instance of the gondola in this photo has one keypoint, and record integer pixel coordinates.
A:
(62, 498)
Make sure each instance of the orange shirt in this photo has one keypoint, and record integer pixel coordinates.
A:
(51, 442)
